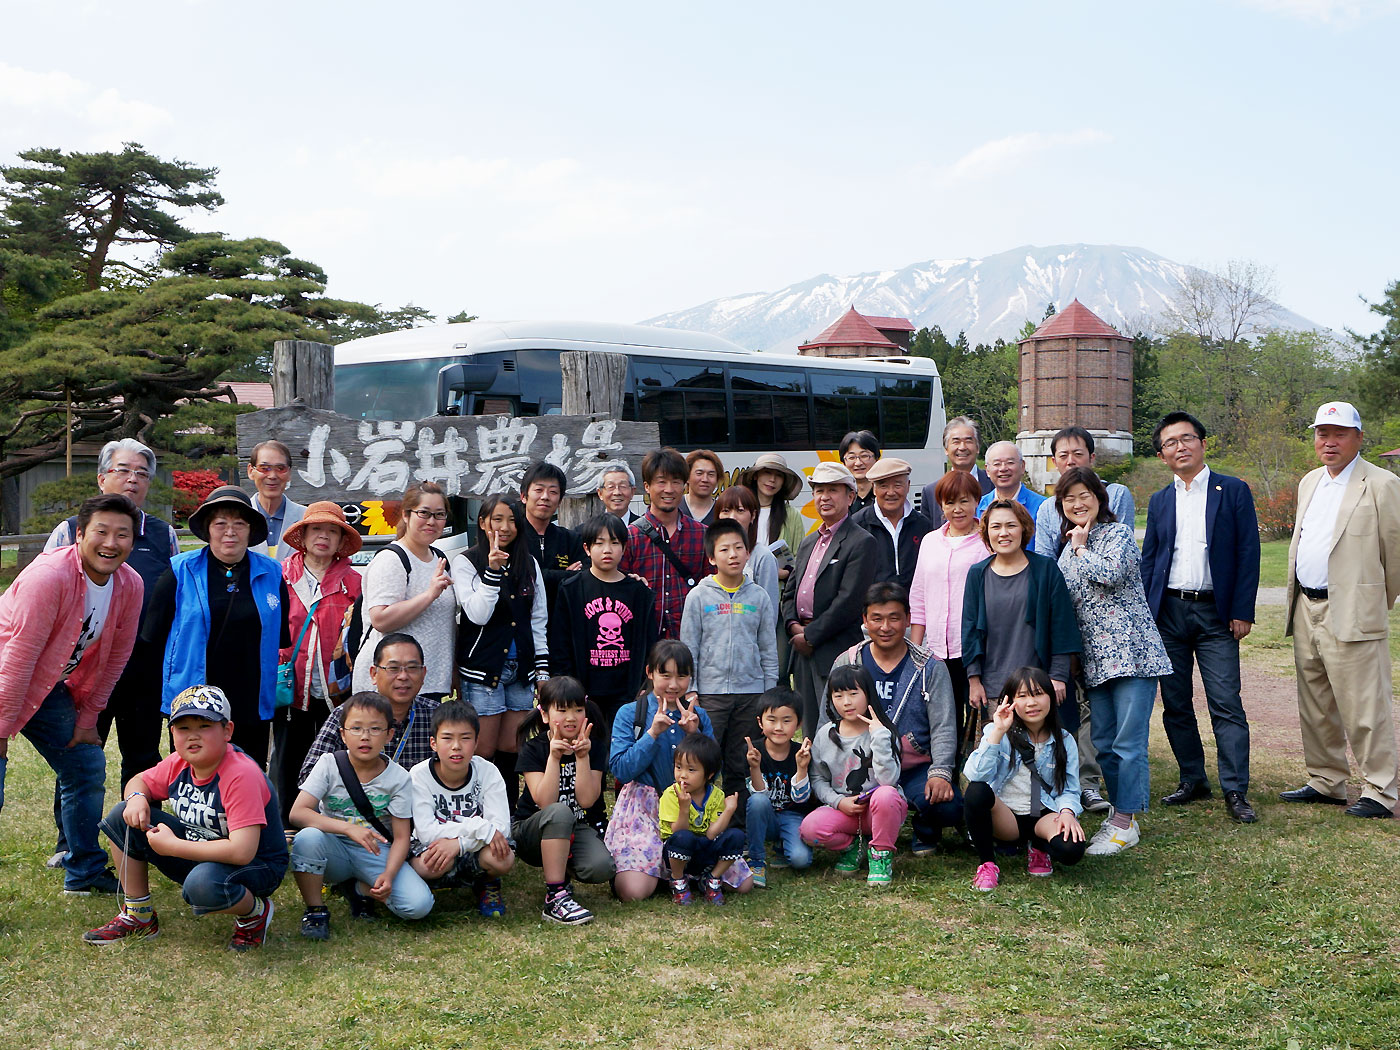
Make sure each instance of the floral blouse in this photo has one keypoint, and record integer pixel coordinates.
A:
(1105, 584)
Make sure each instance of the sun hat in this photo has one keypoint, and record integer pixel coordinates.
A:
(792, 481)
(324, 512)
(229, 497)
(832, 474)
(889, 467)
(1337, 414)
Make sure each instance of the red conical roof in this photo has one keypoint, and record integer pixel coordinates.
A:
(1076, 319)
(851, 329)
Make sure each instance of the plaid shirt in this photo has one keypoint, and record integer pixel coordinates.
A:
(645, 558)
(415, 732)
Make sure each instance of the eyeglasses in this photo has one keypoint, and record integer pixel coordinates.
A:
(430, 515)
(394, 670)
(1179, 442)
(859, 457)
(128, 472)
(280, 469)
(358, 730)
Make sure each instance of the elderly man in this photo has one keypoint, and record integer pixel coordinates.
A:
(270, 468)
(1344, 575)
(822, 599)
(126, 468)
(1006, 468)
(961, 444)
(894, 523)
(616, 488)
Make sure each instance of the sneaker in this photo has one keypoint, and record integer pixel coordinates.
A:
(760, 876)
(849, 861)
(489, 901)
(714, 891)
(881, 868)
(778, 860)
(251, 931)
(316, 923)
(102, 882)
(1038, 862)
(123, 928)
(1109, 840)
(562, 908)
(922, 847)
(987, 878)
(680, 892)
(1093, 802)
(361, 907)
(56, 861)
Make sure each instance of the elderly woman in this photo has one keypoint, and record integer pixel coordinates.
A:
(219, 614)
(322, 585)
(1123, 652)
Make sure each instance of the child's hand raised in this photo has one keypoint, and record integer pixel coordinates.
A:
(1003, 716)
(558, 746)
(683, 797)
(583, 743)
(804, 755)
(660, 722)
(754, 759)
(689, 720)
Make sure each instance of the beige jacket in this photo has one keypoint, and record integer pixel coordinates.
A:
(1363, 570)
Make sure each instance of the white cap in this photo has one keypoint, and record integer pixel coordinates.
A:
(1338, 414)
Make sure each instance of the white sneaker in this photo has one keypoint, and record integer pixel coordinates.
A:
(1109, 840)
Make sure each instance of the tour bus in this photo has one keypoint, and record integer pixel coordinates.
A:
(703, 391)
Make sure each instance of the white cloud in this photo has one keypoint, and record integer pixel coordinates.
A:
(32, 102)
(1005, 154)
(1335, 12)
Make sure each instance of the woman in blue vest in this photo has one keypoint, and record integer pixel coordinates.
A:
(220, 616)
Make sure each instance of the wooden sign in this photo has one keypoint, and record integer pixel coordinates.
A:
(354, 461)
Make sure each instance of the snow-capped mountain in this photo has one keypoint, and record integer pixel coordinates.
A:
(987, 298)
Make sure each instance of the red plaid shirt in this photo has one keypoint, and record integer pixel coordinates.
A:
(645, 558)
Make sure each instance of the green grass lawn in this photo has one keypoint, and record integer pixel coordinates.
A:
(1273, 563)
(1282, 935)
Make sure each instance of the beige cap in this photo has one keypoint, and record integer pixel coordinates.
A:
(888, 467)
(832, 474)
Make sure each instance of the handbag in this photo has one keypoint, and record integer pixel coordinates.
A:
(286, 673)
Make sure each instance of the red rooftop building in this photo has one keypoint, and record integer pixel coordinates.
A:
(856, 335)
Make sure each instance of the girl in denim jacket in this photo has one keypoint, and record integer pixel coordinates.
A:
(1023, 781)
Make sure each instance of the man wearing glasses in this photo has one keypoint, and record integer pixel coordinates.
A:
(270, 468)
(125, 468)
(1200, 568)
(397, 673)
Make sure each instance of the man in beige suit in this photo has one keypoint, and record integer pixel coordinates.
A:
(1344, 575)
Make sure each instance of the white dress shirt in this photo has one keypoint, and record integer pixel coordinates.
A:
(1190, 569)
(1319, 523)
(894, 528)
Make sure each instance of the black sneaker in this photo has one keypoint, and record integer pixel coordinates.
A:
(102, 882)
(316, 923)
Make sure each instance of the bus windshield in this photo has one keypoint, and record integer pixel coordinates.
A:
(382, 390)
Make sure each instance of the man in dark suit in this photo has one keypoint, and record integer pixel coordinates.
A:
(961, 443)
(825, 593)
(1200, 568)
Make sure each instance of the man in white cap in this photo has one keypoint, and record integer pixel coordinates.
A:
(823, 597)
(1344, 575)
(893, 522)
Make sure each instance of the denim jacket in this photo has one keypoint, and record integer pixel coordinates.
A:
(993, 764)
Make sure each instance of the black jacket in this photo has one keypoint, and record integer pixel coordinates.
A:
(915, 527)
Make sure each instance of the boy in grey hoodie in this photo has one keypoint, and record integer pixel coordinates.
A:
(731, 627)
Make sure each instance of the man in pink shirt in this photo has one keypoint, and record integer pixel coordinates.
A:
(67, 625)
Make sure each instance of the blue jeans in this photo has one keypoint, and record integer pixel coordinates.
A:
(336, 858)
(928, 819)
(1121, 714)
(763, 822)
(82, 770)
(699, 853)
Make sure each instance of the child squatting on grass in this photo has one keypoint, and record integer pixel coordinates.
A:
(560, 818)
(694, 817)
(461, 816)
(780, 791)
(1023, 781)
(344, 840)
(855, 775)
(222, 842)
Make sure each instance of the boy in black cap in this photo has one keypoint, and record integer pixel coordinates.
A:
(222, 840)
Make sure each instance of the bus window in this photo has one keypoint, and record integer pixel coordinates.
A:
(537, 372)
(387, 389)
(772, 380)
(666, 408)
(753, 420)
(706, 421)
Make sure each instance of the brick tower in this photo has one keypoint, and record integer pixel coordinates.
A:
(1075, 369)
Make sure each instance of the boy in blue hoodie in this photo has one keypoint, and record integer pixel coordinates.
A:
(731, 626)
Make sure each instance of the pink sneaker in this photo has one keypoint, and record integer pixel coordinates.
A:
(1038, 862)
(987, 877)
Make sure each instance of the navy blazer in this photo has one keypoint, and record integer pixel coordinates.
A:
(1232, 546)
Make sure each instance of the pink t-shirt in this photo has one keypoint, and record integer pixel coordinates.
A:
(236, 796)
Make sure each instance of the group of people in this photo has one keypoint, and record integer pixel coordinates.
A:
(987, 663)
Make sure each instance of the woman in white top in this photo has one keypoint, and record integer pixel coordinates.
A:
(413, 594)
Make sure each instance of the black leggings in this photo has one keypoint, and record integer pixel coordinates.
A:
(978, 800)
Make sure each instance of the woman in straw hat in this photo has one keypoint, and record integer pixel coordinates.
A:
(320, 579)
(219, 614)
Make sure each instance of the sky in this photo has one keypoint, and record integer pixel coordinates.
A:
(614, 161)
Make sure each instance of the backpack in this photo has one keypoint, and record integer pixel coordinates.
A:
(357, 629)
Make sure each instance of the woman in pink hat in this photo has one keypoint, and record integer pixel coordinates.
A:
(320, 582)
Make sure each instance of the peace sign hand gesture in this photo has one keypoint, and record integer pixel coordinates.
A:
(689, 721)
(754, 759)
(497, 557)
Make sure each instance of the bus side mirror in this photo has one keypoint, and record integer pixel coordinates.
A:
(455, 382)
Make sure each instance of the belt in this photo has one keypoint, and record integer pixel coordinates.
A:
(1191, 596)
(1317, 594)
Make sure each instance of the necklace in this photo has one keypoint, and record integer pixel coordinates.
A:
(230, 584)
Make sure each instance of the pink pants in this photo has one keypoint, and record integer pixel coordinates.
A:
(831, 829)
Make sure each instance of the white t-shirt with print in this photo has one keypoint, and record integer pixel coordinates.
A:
(96, 604)
(390, 794)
